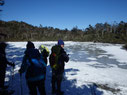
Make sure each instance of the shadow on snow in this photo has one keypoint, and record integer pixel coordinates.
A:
(19, 83)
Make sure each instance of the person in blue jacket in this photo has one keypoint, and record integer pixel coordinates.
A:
(33, 65)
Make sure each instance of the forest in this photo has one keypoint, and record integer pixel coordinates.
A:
(101, 32)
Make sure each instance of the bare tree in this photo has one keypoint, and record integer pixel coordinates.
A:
(1, 2)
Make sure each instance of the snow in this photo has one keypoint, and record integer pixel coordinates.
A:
(117, 52)
(90, 63)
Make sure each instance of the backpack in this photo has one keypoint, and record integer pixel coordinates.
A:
(44, 51)
(54, 57)
(36, 66)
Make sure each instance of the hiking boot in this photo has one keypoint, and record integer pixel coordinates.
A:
(9, 92)
(6, 92)
(60, 93)
(54, 91)
(5, 87)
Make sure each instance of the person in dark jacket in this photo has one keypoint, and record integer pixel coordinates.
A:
(45, 53)
(34, 66)
(57, 74)
(3, 64)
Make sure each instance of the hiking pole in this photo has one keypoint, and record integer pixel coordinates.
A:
(21, 84)
(13, 75)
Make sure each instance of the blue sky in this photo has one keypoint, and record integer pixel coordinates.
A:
(65, 13)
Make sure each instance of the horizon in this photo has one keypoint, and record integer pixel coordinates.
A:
(114, 22)
(64, 14)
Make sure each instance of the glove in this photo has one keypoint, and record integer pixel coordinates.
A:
(66, 57)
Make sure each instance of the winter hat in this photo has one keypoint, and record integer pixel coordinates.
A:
(60, 42)
(30, 45)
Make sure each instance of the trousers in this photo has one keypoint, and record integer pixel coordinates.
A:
(56, 80)
(2, 77)
(33, 86)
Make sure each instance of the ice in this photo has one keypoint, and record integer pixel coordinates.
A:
(99, 63)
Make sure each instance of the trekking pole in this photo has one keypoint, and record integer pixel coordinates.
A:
(13, 74)
(21, 84)
(11, 78)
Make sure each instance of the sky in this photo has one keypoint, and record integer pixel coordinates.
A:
(64, 13)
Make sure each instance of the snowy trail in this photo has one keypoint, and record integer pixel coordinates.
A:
(103, 64)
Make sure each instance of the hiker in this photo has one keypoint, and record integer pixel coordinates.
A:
(33, 65)
(57, 58)
(45, 53)
(3, 64)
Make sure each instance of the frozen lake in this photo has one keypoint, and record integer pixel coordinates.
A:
(101, 63)
(95, 52)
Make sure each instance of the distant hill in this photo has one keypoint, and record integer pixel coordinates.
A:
(21, 31)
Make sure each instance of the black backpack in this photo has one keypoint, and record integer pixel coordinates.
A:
(54, 56)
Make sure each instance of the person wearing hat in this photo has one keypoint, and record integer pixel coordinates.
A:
(61, 43)
(58, 70)
(33, 65)
(3, 64)
(44, 53)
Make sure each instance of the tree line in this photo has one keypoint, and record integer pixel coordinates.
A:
(101, 32)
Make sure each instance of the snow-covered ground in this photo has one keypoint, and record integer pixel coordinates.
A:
(93, 69)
